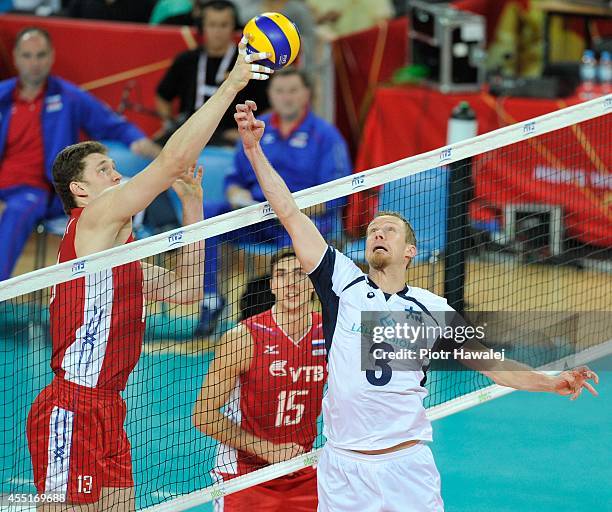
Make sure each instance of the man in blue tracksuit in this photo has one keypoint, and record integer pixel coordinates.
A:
(39, 116)
(305, 149)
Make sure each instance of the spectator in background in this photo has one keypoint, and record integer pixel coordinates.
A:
(342, 17)
(196, 74)
(136, 11)
(296, 11)
(40, 114)
(305, 149)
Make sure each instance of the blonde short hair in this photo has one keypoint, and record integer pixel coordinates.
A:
(410, 236)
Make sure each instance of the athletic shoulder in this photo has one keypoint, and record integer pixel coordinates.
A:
(334, 272)
(429, 299)
(260, 321)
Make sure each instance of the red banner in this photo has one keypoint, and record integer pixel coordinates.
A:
(114, 61)
(569, 167)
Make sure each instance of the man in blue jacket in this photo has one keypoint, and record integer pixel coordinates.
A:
(40, 114)
(305, 149)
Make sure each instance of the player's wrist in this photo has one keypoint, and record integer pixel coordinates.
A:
(192, 203)
(252, 150)
(261, 448)
(231, 87)
(546, 383)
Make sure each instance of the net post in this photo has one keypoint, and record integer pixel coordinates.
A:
(461, 125)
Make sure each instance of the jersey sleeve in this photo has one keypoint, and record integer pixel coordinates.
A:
(333, 273)
(453, 324)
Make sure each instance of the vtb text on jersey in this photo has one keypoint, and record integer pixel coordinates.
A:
(279, 397)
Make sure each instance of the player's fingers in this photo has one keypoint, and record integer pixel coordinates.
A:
(243, 44)
(259, 76)
(587, 373)
(251, 104)
(259, 124)
(200, 171)
(253, 57)
(258, 68)
(591, 389)
(241, 107)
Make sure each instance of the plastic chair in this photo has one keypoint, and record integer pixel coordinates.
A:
(49, 226)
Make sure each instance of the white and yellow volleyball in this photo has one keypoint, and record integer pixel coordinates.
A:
(273, 33)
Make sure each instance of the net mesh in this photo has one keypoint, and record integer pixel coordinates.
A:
(518, 258)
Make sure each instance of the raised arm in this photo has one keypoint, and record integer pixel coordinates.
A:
(307, 241)
(183, 285)
(232, 358)
(117, 205)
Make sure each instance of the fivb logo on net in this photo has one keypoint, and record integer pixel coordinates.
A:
(358, 182)
(266, 210)
(78, 267)
(529, 128)
(607, 103)
(175, 238)
(446, 154)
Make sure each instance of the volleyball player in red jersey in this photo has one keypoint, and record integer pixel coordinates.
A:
(77, 442)
(268, 375)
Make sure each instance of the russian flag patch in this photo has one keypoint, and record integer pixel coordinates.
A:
(318, 347)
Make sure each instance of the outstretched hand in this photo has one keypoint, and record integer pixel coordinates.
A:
(572, 382)
(245, 69)
(250, 129)
(189, 186)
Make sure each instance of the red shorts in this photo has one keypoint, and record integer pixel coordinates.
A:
(77, 441)
(296, 492)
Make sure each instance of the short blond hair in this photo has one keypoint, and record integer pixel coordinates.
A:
(410, 235)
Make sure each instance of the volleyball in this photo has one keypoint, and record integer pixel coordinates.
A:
(273, 33)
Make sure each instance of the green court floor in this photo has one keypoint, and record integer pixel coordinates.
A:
(522, 452)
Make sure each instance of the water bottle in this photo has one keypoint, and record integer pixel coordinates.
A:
(605, 72)
(588, 74)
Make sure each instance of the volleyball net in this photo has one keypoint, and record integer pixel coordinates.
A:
(535, 264)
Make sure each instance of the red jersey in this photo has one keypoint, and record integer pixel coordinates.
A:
(97, 321)
(279, 397)
(23, 162)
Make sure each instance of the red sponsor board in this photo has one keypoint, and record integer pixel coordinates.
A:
(113, 61)
(568, 167)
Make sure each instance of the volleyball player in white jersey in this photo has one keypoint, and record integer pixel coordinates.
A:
(375, 457)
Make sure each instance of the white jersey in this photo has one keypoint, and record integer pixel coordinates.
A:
(357, 414)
